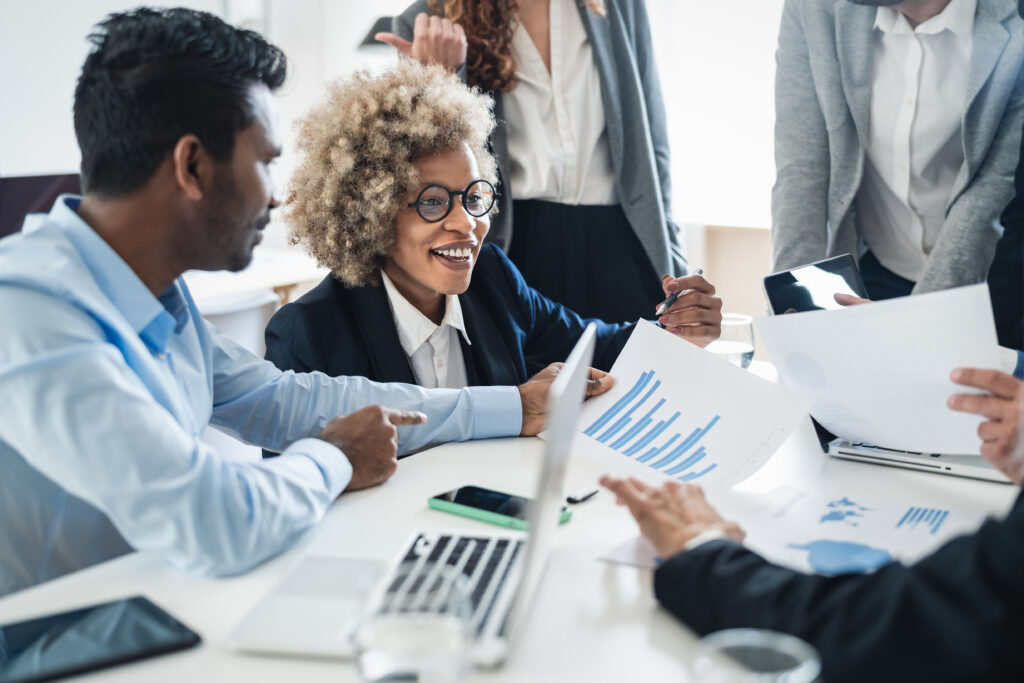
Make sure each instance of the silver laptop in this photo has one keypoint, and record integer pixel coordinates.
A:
(971, 466)
(314, 610)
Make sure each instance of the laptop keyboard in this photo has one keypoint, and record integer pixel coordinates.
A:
(487, 563)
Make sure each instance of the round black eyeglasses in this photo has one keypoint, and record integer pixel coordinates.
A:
(434, 202)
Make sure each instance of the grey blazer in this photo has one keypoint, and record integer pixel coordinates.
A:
(822, 110)
(631, 93)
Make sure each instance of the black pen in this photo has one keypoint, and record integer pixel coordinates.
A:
(667, 303)
(580, 496)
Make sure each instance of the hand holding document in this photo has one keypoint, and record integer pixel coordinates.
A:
(879, 372)
(678, 412)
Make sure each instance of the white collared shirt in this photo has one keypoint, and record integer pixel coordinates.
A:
(557, 144)
(434, 351)
(914, 150)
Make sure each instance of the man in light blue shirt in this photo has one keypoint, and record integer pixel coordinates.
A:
(108, 374)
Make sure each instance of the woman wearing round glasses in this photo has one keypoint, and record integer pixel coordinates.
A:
(394, 194)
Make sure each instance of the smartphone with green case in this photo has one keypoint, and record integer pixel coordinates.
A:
(487, 505)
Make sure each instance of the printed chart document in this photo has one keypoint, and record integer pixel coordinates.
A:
(835, 531)
(831, 531)
(678, 412)
(879, 373)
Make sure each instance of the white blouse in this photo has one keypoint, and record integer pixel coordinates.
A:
(557, 142)
(914, 149)
(433, 350)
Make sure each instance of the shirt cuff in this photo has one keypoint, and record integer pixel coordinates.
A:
(1009, 360)
(332, 463)
(497, 411)
(701, 539)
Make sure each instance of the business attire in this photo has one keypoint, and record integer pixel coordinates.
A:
(106, 390)
(1006, 277)
(583, 157)
(510, 331)
(957, 615)
(896, 144)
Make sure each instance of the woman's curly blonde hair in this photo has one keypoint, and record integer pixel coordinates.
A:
(357, 149)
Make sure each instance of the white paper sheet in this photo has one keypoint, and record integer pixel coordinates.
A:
(879, 372)
(835, 530)
(678, 412)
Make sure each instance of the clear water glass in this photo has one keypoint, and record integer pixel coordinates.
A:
(751, 655)
(736, 344)
(419, 633)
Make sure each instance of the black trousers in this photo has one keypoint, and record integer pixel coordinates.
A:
(587, 258)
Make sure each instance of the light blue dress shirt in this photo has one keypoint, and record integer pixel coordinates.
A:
(105, 391)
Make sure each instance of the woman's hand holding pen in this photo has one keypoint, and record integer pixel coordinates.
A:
(696, 315)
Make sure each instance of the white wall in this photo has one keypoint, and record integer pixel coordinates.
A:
(717, 65)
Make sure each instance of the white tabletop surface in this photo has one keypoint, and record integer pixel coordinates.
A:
(591, 621)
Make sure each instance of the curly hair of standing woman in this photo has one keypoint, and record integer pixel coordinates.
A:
(489, 26)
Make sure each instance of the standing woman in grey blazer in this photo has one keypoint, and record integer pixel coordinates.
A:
(582, 152)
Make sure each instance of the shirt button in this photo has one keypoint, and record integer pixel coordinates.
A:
(440, 363)
(910, 101)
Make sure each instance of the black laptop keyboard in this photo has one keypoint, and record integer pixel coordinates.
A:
(487, 564)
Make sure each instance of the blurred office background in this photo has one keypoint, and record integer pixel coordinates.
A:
(717, 67)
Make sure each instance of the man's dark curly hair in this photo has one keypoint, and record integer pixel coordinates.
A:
(156, 75)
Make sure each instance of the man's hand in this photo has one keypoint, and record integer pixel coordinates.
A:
(534, 395)
(1000, 434)
(369, 440)
(434, 40)
(696, 316)
(671, 516)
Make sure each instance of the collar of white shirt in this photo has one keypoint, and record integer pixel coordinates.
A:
(414, 328)
(958, 17)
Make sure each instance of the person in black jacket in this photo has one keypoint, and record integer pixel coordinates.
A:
(393, 194)
(956, 615)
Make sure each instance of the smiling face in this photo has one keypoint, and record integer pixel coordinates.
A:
(431, 260)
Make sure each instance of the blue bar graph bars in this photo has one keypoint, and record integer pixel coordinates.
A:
(928, 518)
(633, 424)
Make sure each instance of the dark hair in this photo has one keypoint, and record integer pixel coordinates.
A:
(156, 75)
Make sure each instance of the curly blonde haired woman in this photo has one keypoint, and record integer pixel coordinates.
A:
(582, 148)
(394, 193)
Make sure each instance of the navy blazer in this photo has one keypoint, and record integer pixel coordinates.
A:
(514, 330)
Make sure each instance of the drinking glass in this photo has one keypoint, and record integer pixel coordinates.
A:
(736, 344)
(421, 632)
(751, 655)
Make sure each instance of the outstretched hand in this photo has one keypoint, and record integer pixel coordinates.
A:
(435, 40)
(369, 439)
(671, 516)
(1000, 433)
(534, 394)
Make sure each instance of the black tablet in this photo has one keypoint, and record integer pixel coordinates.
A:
(86, 639)
(814, 286)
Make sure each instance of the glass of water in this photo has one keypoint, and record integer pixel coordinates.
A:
(420, 629)
(751, 655)
(736, 344)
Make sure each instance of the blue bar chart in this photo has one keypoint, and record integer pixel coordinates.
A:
(642, 426)
(929, 519)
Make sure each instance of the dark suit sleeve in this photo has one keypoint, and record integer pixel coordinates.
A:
(957, 615)
(551, 329)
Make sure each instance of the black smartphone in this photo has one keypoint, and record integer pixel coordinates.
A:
(814, 286)
(487, 505)
(90, 638)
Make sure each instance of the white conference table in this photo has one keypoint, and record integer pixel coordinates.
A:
(591, 620)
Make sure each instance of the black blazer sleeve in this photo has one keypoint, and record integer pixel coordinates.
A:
(551, 329)
(957, 615)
